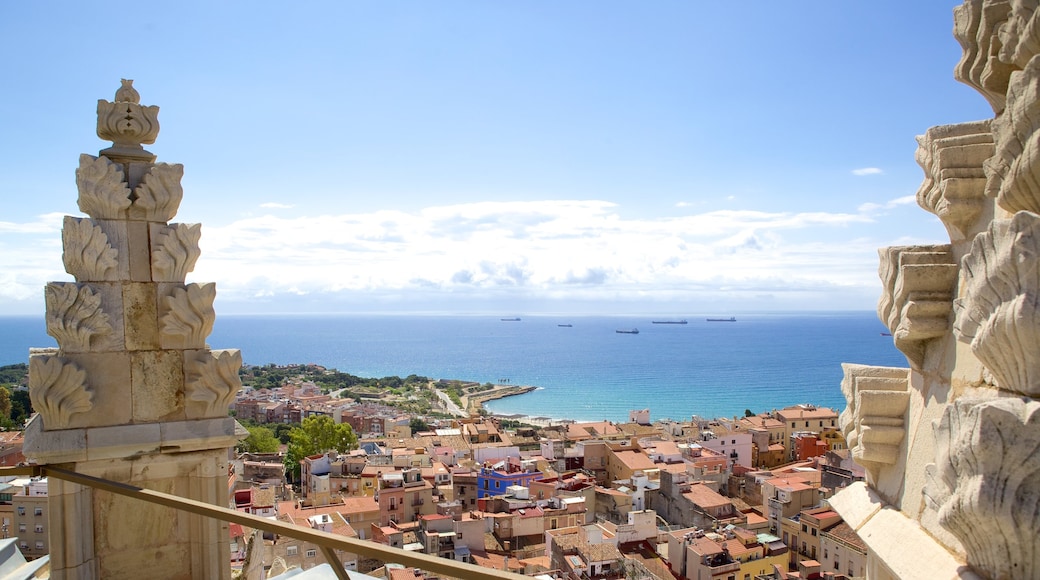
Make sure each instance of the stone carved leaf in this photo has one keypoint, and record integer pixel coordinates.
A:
(213, 380)
(176, 251)
(87, 254)
(103, 193)
(74, 316)
(984, 483)
(58, 390)
(1014, 170)
(189, 316)
(999, 314)
(160, 194)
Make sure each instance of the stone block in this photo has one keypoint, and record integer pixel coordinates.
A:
(108, 379)
(134, 176)
(140, 316)
(121, 442)
(64, 446)
(140, 251)
(119, 239)
(201, 435)
(157, 384)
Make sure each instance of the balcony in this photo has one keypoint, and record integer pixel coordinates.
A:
(328, 542)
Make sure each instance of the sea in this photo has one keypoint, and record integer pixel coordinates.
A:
(582, 367)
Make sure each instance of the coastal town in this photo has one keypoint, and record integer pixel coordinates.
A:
(739, 497)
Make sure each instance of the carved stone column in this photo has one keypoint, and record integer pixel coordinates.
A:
(132, 393)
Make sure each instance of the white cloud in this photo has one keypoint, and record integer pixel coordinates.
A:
(870, 207)
(867, 171)
(514, 251)
(276, 205)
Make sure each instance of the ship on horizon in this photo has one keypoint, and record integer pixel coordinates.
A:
(681, 321)
(628, 331)
(517, 319)
(730, 319)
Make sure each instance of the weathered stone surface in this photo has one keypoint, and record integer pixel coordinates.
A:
(976, 25)
(954, 187)
(88, 255)
(917, 296)
(141, 316)
(159, 194)
(58, 390)
(127, 124)
(985, 480)
(77, 320)
(187, 315)
(175, 248)
(211, 381)
(874, 423)
(999, 314)
(103, 193)
(157, 385)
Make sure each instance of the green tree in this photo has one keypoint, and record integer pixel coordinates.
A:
(317, 434)
(417, 425)
(260, 440)
(5, 404)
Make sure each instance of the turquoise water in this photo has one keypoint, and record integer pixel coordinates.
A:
(586, 371)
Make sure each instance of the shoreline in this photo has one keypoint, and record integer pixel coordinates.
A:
(475, 402)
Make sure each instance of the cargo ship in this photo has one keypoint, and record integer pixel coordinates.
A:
(629, 331)
(730, 319)
(669, 321)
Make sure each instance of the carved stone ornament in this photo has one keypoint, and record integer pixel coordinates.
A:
(976, 25)
(874, 422)
(175, 251)
(984, 483)
(159, 195)
(1014, 171)
(917, 296)
(127, 124)
(1020, 36)
(87, 254)
(954, 187)
(188, 317)
(999, 315)
(211, 381)
(74, 316)
(58, 390)
(103, 193)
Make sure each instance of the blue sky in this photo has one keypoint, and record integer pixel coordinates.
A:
(501, 157)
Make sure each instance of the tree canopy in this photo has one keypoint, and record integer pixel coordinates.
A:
(260, 440)
(317, 434)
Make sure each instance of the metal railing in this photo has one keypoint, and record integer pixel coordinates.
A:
(326, 541)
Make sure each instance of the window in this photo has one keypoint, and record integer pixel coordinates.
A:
(39, 528)
(733, 442)
(38, 511)
(806, 423)
(312, 553)
(825, 554)
(21, 527)
(814, 532)
(393, 503)
(291, 550)
(805, 528)
(21, 510)
(23, 545)
(39, 545)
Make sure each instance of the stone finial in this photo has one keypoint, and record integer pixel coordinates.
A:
(999, 315)
(874, 422)
(917, 296)
(984, 480)
(954, 186)
(128, 125)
